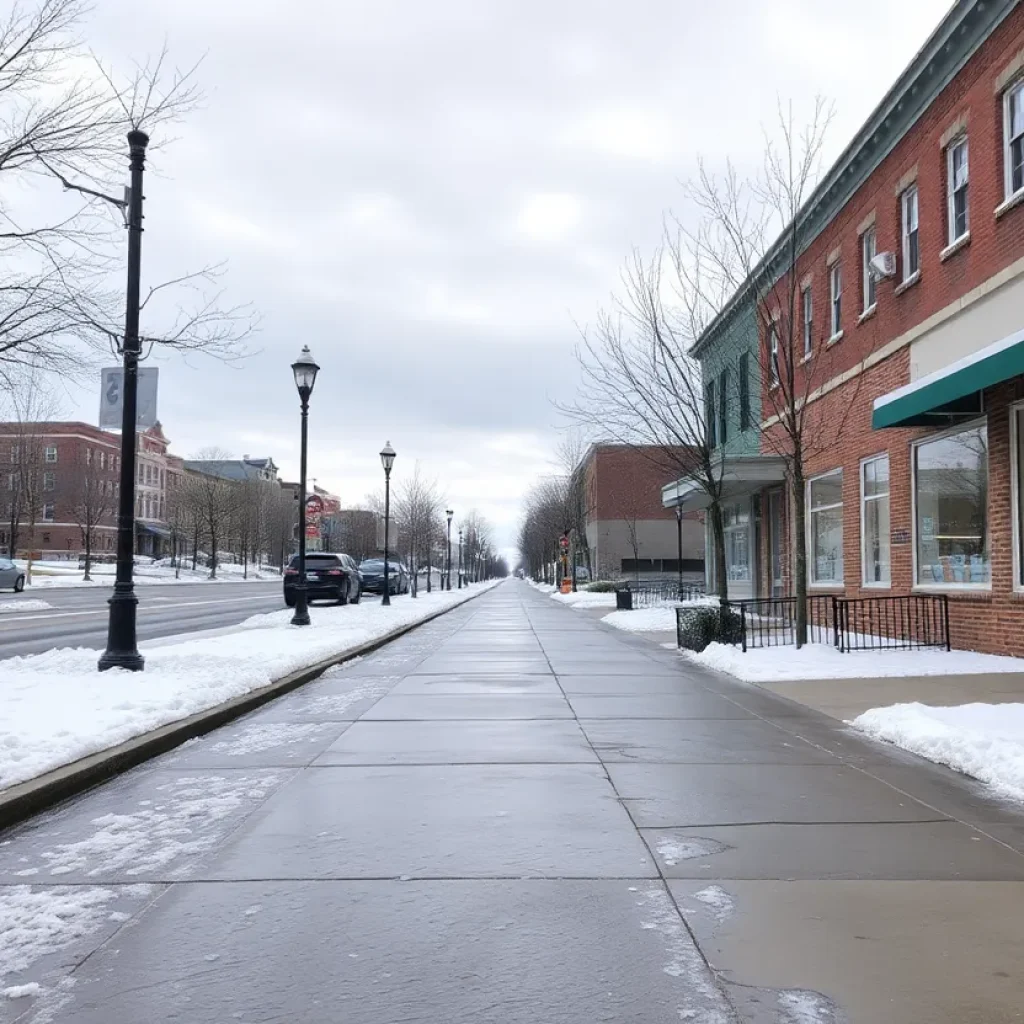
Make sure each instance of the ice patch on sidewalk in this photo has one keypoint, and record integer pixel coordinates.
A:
(803, 1007)
(22, 991)
(27, 605)
(715, 897)
(672, 851)
(254, 739)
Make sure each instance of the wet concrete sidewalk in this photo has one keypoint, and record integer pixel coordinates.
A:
(516, 816)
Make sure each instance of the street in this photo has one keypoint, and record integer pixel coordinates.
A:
(77, 617)
(514, 815)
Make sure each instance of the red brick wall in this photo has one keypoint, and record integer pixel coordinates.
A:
(625, 483)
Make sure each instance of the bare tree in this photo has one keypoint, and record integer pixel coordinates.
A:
(89, 497)
(215, 501)
(417, 510)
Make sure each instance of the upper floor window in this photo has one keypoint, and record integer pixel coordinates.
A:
(956, 187)
(48, 512)
(710, 420)
(835, 277)
(744, 389)
(1013, 139)
(103, 460)
(773, 353)
(88, 456)
(14, 453)
(808, 311)
(911, 254)
(723, 406)
(49, 480)
(868, 248)
(51, 454)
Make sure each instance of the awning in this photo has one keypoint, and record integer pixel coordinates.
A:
(953, 394)
(153, 530)
(740, 475)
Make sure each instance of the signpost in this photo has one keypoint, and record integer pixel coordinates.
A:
(112, 397)
(566, 587)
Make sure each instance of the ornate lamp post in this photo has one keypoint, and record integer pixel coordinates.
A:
(387, 460)
(679, 546)
(304, 369)
(460, 558)
(448, 570)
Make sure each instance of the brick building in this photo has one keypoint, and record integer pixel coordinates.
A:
(912, 363)
(59, 478)
(628, 530)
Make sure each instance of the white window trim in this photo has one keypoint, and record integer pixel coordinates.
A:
(953, 239)
(774, 370)
(807, 312)
(812, 584)
(866, 278)
(836, 326)
(1015, 503)
(46, 455)
(905, 234)
(1008, 194)
(864, 582)
(939, 588)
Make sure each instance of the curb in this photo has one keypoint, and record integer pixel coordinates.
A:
(29, 798)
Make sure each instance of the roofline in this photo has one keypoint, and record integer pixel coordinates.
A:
(844, 179)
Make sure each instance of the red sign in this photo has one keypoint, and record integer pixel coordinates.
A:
(564, 542)
(314, 509)
(312, 532)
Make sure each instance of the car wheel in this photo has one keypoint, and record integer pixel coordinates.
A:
(358, 597)
(19, 584)
(343, 594)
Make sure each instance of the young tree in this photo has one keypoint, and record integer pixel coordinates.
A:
(416, 508)
(89, 497)
(215, 500)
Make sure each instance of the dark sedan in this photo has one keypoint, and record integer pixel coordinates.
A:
(372, 571)
(328, 577)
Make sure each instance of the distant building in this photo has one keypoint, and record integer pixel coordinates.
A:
(239, 470)
(628, 530)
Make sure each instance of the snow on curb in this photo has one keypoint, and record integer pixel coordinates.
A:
(26, 605)
(985, 741)
(821, 661)
(659, 619)
(56, 708)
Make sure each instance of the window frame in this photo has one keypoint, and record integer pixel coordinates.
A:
(869, 286)
(835, 290)
(1016, 505)
(1011, 90)
(864, 499)
(812, 583)
(743, 373)
(905, 232)
(710, 415)
(807, 314)
(50, 448)
(49, 480)
(774, 370)
(951, 237)
(723, 406)
(53, 512)
(933, 588)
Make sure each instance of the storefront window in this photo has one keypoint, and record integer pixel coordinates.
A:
(825, 512)
(875, 517)
(736, 519)
(951, 498)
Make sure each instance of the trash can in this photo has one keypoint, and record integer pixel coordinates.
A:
(624, 600)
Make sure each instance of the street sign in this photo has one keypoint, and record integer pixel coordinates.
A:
(564, 541)
(112, 398)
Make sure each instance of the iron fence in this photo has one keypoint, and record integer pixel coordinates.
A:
(654, 592)
(772, 621)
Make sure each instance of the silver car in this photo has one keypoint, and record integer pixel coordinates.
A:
(11, 576)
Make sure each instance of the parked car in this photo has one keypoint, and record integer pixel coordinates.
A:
(11, 576)
(372, 571)
(328, 576)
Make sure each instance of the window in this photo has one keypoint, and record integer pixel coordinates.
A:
(825, 514)
(956, 187)
(710, 419)
(773, 353)
(874, 497)
(88, 456)
(103, 460)
(835, 277)
(1013, 139)
(49, 480)
(736, 520)
(808, 311)
(636, 565)
(723, 406)
(51, 454)
(14, 453)
(868, 249)
(12, 481)
(951, 509)
(48, 512)
(744, 374)
(141, 475)
(911, 255)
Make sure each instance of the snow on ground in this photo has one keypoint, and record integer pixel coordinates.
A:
(821, 661)
(659, 619)
(65, 574)
(27, 605)
(56, 707)
(985, 741)
(585, 599)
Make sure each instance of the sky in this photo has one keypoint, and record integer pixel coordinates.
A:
(435, 196)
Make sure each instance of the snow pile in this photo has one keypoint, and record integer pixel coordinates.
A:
(659, 619)
(56, 707)
(821, 661)
(65, 574)
(586, 599)
(27, 605)
(985, 741)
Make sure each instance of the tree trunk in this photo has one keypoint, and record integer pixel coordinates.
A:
(195, 545)
(88, 553)
(718, 551)
(800, 561)
(213, 550)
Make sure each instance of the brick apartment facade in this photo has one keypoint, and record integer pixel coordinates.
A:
(916, 381)
(623, 486)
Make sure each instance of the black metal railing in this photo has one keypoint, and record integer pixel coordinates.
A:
(654, 592)
(898, 623)
(888, 623)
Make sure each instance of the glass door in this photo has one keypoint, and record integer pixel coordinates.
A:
(775, 542)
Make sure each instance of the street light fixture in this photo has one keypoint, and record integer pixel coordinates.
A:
(304, 369)
(387, 460)
(122, 643)
(448, 570)
(460, 558)
(679, 546)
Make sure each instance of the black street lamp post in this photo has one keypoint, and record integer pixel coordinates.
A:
(305, 370)
(679, 546)
(122, 646)
(387, 460)
(460, 558)
(448, 569)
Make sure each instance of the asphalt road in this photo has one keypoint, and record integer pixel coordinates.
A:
(78, 617)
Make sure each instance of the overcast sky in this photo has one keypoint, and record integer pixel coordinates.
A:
(430, 193)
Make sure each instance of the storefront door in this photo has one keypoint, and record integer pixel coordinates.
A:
(775, 542)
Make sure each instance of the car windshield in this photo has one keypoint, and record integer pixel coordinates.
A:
(377, 565)
(318, 561)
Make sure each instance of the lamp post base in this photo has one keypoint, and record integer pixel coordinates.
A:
(301, 616)
(121, 649)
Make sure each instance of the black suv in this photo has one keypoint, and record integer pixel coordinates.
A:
(327, 576)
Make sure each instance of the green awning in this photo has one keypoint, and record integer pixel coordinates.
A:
(953, 394)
